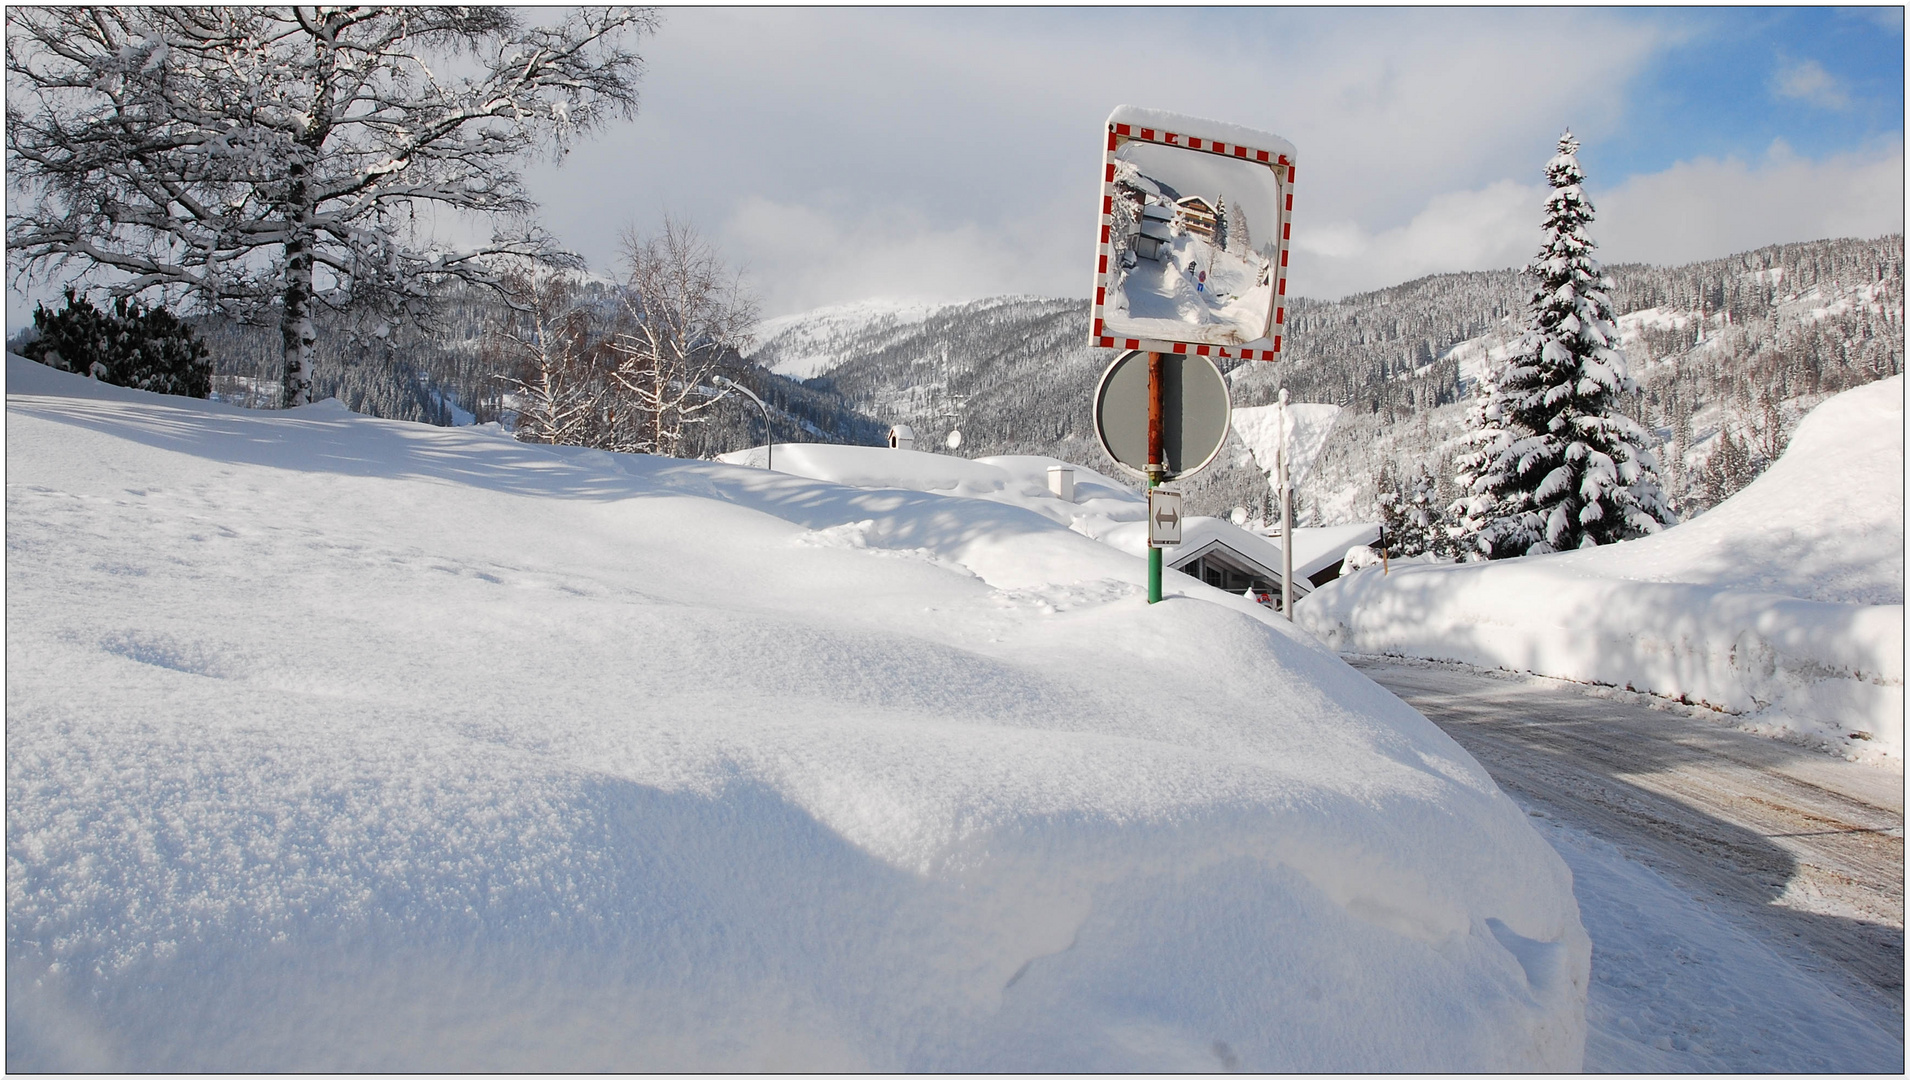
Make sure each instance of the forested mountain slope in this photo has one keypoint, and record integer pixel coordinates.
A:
(1731, 352)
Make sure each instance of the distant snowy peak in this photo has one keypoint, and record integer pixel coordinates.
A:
(812, 343)
(808, 344)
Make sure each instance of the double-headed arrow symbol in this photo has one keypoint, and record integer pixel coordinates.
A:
(1167, 516)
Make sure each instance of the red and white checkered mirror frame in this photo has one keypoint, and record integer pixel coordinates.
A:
(1282, 165)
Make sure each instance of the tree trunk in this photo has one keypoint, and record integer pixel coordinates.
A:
(295, 320)
(295, 325)
(295, 316)
(658, 419)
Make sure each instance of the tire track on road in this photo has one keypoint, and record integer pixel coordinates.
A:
(1807, 847)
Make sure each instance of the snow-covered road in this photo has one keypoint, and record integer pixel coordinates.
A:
(1744, 896)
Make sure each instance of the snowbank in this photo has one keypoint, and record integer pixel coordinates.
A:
(1103, 508)
(337, 743)
(1784, 603)
(1014, 480)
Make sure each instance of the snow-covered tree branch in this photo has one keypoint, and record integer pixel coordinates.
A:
(262, 163)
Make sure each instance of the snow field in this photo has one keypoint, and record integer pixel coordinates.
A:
(1103, 509)
(1783, 604)
(337, 743)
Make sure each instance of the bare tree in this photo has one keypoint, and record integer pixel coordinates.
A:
(553, 345)
(1765, 434)
(272, 161)
(685, 313)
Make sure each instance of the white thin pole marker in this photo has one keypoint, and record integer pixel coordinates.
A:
(1286, 514)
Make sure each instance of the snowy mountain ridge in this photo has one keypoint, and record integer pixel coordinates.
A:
(1784, 325)
(809, 344)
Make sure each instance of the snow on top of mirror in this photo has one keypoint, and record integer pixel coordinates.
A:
(1203, 129)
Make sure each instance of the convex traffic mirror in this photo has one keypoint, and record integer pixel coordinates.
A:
(1194, 232)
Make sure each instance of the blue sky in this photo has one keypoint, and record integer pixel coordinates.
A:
(920, 153)
(1734, 79)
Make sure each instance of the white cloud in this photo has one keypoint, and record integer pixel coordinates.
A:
(1809, 82)
(799, 257)
(1491, 228)
(976, 130)
(1700, 209)
(1705, 208)
(934, 153)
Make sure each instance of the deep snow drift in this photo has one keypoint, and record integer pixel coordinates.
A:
(1783, 603)
(1103, 508)
(339, 743)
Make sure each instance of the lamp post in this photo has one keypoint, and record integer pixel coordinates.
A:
(769, 437)
(1286, 513)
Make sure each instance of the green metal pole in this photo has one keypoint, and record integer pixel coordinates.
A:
(1153, 561)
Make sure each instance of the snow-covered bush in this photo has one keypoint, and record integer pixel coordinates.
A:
(1358, 557)
(127, 346)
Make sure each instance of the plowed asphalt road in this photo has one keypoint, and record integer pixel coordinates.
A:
(1803, 845)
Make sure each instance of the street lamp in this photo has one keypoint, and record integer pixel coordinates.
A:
(769, 437)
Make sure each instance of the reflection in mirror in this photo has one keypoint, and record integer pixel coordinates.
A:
(1193, 240)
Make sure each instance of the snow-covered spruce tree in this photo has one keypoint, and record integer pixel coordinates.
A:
(1409, 509)
(1484, 443)
(1556, 464)
(1728, 470)
(267, 161)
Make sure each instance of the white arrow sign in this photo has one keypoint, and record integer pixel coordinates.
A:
(1163, 517)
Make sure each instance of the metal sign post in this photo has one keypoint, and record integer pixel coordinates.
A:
(1156, 463)
(769, 435)
(1161, 416)
(1196, 219)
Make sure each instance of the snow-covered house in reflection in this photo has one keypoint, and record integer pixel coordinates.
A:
(1154, 233)
(1198, 216)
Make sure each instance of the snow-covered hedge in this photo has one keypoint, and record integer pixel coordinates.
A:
(1784, 603)
(336, 743)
